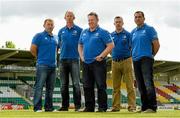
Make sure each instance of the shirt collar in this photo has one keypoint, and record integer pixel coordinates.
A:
(73, 27)
(142, 27)
(123, 31)
(46, 33)
(97, 28)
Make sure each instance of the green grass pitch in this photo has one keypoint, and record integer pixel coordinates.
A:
(72, 114)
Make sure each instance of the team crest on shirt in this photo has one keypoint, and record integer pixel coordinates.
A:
(97, 34)
(124, 37)
(63, 32)
(84, 34)
(144, 31)
(46, 38)
(74, 32)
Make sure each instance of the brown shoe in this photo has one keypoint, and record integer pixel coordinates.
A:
(115, 110)
(131, 109)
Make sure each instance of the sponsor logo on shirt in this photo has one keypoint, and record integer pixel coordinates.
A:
(74, 32)
(97, 34)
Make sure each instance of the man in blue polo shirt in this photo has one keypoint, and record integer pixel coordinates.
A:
(44, 47)
(145, 45)
(69, 61)
(95, 44)
(122, 66)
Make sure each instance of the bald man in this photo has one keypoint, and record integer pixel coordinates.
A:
(69, 61)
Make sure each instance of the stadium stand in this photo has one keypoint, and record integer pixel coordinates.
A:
(17, 75)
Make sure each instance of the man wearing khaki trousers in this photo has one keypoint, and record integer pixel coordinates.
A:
(122, 66)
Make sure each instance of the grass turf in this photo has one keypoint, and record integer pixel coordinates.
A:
(72, 114)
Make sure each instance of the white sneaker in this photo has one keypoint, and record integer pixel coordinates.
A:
(55, 110)
(149, 111)
(39, 111)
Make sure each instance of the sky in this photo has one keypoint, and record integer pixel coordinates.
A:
(20, 20)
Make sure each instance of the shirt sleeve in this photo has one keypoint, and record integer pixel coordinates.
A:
(80, 38)
(80, 30)
(36, 40)
(152, 34)
(106, 37)
(59, 39)
(129, 40)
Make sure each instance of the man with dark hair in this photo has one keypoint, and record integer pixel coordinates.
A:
(69, 61)
(122, 66)
(44, 47)
(145, 45)
(95, 44)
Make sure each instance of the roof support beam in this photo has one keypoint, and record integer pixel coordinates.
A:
(7, 55)
(166, 69)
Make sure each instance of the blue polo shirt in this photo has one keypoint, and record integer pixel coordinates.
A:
(122, 44)
(68, 42)
(142, 38)
(46, 49)
(94, 43)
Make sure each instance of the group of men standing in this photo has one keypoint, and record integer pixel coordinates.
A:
(92, 45)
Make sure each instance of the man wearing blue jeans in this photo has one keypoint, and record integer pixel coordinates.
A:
(145, 45)
(95, 44)
(44, 47)
(69, 61)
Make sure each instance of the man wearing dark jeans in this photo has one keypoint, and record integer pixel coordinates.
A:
(95, 72)
(145, 45)
(69, 61)
(95, 44)
(44, 47)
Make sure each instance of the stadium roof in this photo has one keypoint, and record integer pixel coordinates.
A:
(161, 66)
(17, 57)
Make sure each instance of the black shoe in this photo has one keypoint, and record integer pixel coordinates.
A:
(63, 109)
(49, 109)
(88, 110)
(101, 110)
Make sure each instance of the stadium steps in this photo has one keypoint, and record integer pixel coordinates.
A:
(25, 99)
(173, 87)
(10, 96)
(162, 93)
(170, 92)
(156, 83)
(162, 99)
